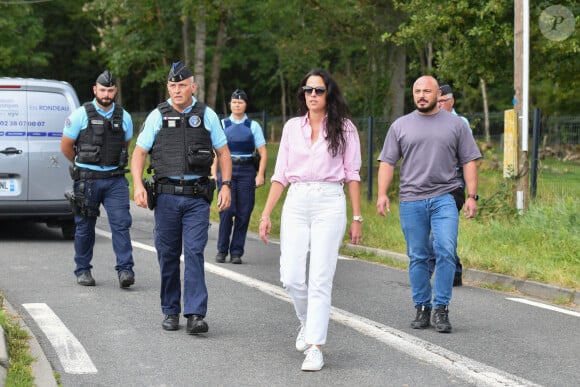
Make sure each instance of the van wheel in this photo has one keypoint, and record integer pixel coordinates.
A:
(68, 232)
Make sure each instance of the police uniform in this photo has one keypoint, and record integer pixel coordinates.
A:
(181, 153)
(99, 178)
(244, 136)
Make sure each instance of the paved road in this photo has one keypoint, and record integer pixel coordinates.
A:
(106, 336)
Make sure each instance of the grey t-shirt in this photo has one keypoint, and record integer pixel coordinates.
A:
(431, 146)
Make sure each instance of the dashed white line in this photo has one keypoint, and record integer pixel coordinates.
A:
(71, 353)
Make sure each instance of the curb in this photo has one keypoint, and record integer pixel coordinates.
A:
(4, 359)
(41, 369)
(529, 288)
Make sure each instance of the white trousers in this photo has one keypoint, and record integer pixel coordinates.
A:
(313, 219)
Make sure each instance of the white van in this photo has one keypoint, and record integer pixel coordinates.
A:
(34, 174)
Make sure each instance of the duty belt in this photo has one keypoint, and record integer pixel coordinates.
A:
(242, 160)
(84, 174)
(194, 187)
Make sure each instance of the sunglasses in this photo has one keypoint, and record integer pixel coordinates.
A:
(319, 90)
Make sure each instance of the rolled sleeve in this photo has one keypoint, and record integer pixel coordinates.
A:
(352, 154)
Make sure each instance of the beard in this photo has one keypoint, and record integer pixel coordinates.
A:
(106, 102)
(427, 109)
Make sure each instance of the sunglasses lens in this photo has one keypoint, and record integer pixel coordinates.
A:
(318, 90)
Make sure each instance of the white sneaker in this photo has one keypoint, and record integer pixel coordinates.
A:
(313, 361)
(300, 340)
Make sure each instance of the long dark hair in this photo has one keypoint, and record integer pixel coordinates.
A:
(336, 109)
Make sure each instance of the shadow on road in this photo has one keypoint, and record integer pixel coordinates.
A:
(11, 230)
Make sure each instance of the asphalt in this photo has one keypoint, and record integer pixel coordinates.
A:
(44, 374)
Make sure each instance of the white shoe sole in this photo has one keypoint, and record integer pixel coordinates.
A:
(312, 367)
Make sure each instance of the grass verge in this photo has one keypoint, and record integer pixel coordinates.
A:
(20, 370)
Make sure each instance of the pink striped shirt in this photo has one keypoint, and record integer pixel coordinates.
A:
(299, 160)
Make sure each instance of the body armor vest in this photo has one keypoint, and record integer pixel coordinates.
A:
(102, 142)
(183, 145)
(240, 138)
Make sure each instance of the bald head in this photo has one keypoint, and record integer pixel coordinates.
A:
(425, 94)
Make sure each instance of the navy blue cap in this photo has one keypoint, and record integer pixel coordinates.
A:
(178, 72)
(445, 89)
(239, 94)
(106, 79)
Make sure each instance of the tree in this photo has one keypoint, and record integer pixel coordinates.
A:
(21, 32)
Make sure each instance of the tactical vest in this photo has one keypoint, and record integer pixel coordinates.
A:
(183, 145)
(103, 140)
(240, 138)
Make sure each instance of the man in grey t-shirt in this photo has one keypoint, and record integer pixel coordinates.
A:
(431, 142)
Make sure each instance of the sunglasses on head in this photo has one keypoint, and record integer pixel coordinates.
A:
(319, 90)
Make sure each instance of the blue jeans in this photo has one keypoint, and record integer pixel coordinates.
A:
(437, 216)
(237, 216)
(182, 221)
(458, 265)
(113, 194)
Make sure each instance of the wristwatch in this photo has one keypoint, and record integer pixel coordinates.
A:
(474, 196)
(358, 218)
(227, 182)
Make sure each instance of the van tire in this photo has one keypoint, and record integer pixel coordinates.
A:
(68, 232)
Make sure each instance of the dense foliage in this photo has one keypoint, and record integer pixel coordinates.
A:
(375, 48)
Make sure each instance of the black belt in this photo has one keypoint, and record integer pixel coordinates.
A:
(188, 190)
(194, 187)
(242, 160)
(90, 174)
(184, 182)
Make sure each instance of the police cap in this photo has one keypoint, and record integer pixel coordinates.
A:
(106, 79)
(178, 72)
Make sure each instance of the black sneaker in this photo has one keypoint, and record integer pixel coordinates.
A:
(220, 257)
(441, 319)
(85, 279)
(422, 319)
(196, 324)
(236, 259)
(171, 322)
(457, 279)
(126, 279)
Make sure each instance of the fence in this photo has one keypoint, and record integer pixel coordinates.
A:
(559, 138)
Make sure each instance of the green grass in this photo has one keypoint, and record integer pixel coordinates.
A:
(20, 370)
(541, 245)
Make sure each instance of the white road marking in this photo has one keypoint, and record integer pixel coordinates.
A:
(461, 367)
(71, 353)
(544, 306)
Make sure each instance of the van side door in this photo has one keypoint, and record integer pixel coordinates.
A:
(13, 143)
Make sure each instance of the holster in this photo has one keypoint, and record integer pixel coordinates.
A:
(459, 196)
(80, 204)
(150, 187)
(74, 204)
(256, 158)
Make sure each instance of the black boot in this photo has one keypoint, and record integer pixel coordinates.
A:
(441, 319)
(422, 319)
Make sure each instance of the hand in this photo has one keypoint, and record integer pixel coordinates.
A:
(470, 208)
(224, 199)
(140, 197)
(259, 181)
(265, 228)
(355, 232)
(382, 203)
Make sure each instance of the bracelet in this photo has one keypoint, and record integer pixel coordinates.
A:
(263, 218)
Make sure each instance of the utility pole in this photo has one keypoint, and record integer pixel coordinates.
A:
(521, 104)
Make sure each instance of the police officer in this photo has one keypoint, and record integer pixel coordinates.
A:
(95, 139)
(181, 135)
(244, 137)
